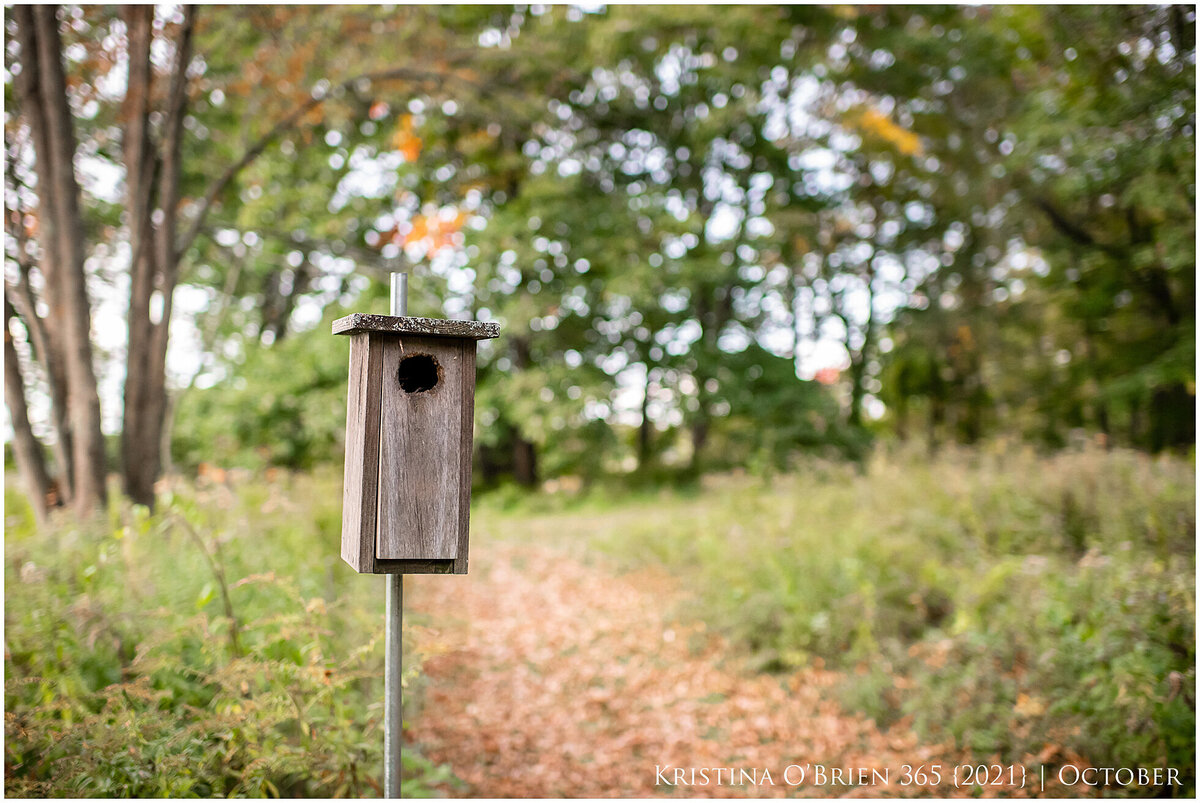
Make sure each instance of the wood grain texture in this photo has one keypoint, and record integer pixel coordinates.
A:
(414, 567)
(464, 455)
(360, 482)
(420, 454)
(425, 327)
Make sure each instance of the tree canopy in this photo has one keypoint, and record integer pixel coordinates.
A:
(713, 235)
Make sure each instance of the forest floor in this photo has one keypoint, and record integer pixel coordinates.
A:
(548, 676)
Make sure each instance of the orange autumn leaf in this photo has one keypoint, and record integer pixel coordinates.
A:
(405, 139)
(437, 231)
(420, 228)
(411, 149)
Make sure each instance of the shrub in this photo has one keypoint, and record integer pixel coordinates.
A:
(215, 648)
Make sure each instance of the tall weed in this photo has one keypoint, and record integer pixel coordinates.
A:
(215, 648)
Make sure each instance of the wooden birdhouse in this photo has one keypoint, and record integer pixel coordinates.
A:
(409, 424)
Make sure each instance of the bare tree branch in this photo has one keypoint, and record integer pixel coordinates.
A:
(314, 100)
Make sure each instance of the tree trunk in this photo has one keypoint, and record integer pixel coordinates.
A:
(44, 352)
(937, 404)
(857, 377)
(31, 463)
(858, 367)
(300, 280)
(901, 407)
(139, 458)
(645, 429)
(1172, 418)
(279, 302)
(152, 186)
(524, 461)
(976, 408)
(44, 100)
(1099, 406)
(793, 304)
(699, 439)
(714, 309)
(524, 452)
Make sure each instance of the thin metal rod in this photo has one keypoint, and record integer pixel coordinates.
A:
(400, 294)
(393, 692)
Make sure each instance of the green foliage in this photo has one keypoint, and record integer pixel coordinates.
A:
(1007, 601)
(1066, 287)
(985, 216)
(285, 406)
(215, 648)
(768, 415)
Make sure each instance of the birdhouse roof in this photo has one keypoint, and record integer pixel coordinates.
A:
(430, 327)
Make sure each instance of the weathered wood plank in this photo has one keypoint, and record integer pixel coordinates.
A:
(464, 454)
(361, 478)
(427, 327)
(414, 567)
(419, 464)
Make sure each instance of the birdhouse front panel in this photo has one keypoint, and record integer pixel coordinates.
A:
(409, 427)
(422, 465)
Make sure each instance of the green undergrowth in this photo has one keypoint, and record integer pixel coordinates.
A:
(217, 647)
(1028, 608)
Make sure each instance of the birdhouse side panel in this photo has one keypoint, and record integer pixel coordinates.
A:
(466, 437)
(360, 482)
(420, 467)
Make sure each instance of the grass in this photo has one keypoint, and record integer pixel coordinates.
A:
(216, 648)
(1031, 609)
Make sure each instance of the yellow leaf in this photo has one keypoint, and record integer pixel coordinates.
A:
(875, 123)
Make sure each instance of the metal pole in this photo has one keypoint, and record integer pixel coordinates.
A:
(399, 294)
(393, 693)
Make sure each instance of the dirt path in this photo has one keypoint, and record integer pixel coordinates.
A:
(549, 678)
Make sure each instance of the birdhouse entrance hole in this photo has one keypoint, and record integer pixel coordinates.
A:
(418, 373)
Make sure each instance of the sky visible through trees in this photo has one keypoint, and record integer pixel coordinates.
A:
(713, 236)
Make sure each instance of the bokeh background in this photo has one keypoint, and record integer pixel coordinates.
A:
(872, 326)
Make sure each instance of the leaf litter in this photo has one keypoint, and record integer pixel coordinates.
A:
(550, 677)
